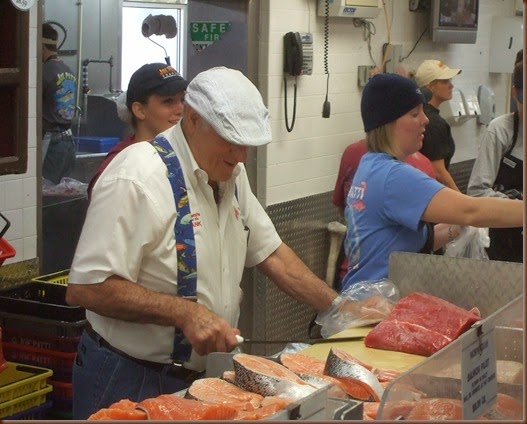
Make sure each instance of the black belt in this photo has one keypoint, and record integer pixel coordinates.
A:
(175, 370)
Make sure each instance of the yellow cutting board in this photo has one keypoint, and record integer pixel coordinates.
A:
(399, 361)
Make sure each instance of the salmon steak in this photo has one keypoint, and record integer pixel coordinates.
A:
(358, 382)
(268, 378)
(302, 364)
(216, 390)
(311, 370)
(172, 407)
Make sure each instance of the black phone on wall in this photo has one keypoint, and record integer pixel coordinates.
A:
(293, 55)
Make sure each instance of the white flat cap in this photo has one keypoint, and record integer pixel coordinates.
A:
(232, 105)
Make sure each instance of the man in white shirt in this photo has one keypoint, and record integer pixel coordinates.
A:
(170, 227)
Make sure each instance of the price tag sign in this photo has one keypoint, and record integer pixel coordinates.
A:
(23, 4)
(478, 372)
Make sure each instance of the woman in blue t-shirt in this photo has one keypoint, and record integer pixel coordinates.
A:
(390, 203)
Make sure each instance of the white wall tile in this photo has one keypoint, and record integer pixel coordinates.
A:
(3, 204)
(32, 102)
(16, 230)
(30, 221)
(32, 132)
(30, 247)
(300, 162)
(33, 72)
(14, 193)
(30, 193)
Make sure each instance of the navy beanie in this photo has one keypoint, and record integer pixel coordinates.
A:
(387, 97)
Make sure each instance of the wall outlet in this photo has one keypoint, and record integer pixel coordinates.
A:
(365, 72)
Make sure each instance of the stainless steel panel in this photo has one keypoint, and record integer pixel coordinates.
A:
(267, 313)
(488, 285)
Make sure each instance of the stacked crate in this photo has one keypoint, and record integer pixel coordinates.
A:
(40, 329)
(24, 392)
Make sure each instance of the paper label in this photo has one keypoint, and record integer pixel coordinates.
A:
(478, 372)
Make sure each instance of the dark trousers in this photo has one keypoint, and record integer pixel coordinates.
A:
(102, 377)
(60, 157)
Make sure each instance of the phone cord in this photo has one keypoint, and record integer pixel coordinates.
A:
(289, 128)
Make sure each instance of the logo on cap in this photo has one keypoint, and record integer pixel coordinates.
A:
(168, 72)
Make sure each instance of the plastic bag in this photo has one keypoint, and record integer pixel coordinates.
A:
(363, 303)
(66, 187)
(471, 243)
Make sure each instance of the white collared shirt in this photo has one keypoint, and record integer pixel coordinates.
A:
(129, 231)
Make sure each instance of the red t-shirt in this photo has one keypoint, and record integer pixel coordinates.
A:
(350, 162)
(119, 147)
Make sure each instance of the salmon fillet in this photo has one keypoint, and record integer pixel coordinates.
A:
(437, 409)
(506, 408)
(394, 409)
(172, 407)
(270, 406)
(122, 410)
(215, 390)
(369, 410)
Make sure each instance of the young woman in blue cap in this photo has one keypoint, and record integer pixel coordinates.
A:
(152, 104)
(390, 203)
(498, 170)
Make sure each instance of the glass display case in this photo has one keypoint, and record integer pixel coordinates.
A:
(478, 376)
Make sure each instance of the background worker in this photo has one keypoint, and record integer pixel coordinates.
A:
(438, 143)
(160, 278)
(348, 166)
(498, 171)
(152, 104)
(59, 90)
(391, 205)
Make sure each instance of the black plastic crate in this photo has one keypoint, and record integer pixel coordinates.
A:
(41, 300)
(41, 326)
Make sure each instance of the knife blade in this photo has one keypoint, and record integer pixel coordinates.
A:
(242, 340)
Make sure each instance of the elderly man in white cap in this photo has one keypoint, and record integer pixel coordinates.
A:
(438, 143)
(159, 275)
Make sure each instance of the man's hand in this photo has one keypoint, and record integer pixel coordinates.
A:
(207, 332)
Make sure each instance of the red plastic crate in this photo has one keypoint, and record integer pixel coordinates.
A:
(41, 341)
(60, 362)
(61, 390)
